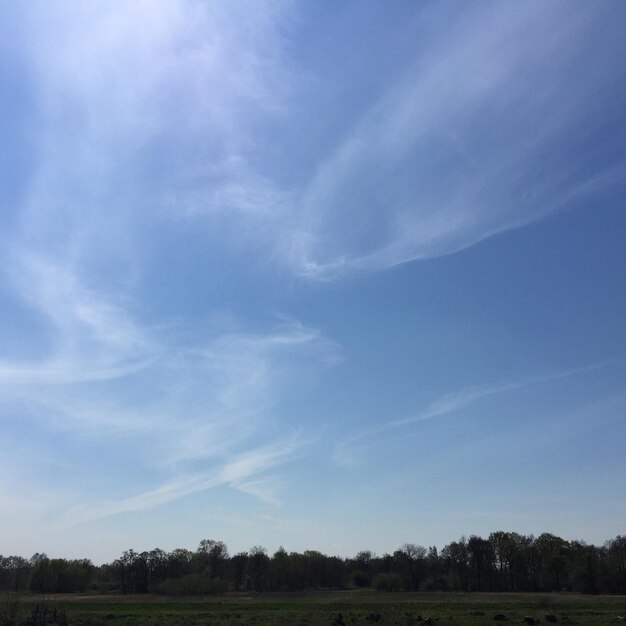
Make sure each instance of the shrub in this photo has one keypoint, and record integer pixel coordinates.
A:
(360, 579)
(192, 585)
(387, 582)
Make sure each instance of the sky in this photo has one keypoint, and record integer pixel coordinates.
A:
(324, 275)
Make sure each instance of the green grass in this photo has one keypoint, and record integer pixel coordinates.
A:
(357, 608)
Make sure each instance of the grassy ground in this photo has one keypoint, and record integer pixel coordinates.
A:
(350, 608)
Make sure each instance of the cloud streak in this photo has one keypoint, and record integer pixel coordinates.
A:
(455, 402)
(146, 113)
(236, 472)
(189, 406)
(469, 143)
(94, 338)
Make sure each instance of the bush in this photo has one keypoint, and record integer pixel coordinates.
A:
(387, 582)
(360, 579)
(191, 585)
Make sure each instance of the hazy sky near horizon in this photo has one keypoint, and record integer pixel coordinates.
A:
(331, 275)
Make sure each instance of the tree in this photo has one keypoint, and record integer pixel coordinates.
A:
(40, 576)
(18, 570)
(157, 566)
(411, 560)
(179, 562)
(616, 559)
(583, 567)
(435, 569)
(553, 555)
(126, 568)
(214, 556)
(239, 562)
(258, 564)
(363, 559)
(456, 557)
(508, 554)
(279, 570)
(362, 575)
(480, 563)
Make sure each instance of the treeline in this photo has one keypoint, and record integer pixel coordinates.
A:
(504, 561)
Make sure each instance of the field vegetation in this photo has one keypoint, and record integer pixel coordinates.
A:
(335, 608)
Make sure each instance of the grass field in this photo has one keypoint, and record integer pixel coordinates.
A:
(349, 608)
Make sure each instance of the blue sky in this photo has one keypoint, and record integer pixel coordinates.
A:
(327, 275)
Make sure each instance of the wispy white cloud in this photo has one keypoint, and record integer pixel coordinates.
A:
(451, 403)
(94, 338)
(265, 489)
(469, 143)
(168, 403)
(201, 428)
(147, 113)
(238, 472)
(169, 104)
(184, 403)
